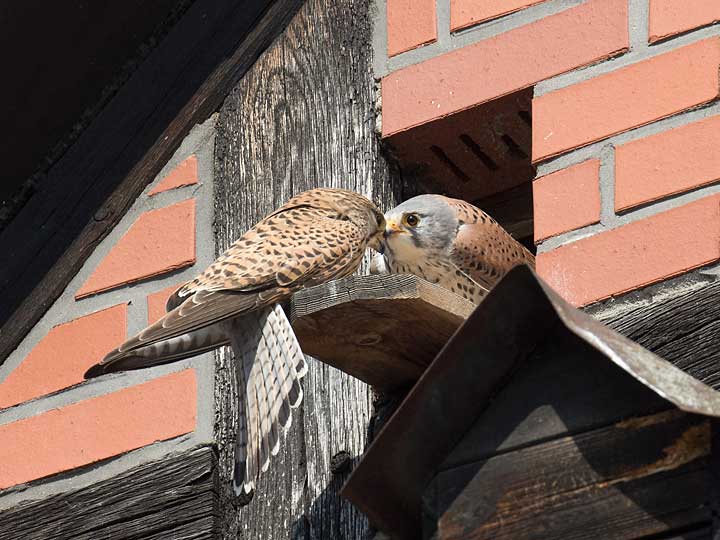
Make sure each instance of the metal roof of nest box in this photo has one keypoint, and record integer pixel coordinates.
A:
(527, 382)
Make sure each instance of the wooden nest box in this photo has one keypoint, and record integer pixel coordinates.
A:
(533, 421)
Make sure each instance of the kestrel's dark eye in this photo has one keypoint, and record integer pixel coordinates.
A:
(411, 220)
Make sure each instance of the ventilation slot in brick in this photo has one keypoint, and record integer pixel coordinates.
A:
(468, 141)
(514, 148)
(449, 163)
(481, 155)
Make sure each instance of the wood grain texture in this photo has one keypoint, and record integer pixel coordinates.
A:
(593, 392)
(172, 498)
(638, 477)
(384, 330)
(301, 117)
(91, 187)
(678, 320)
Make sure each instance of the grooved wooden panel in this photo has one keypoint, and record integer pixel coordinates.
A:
(637, 477)
(175, 497)
(675, 319)
(302, 117)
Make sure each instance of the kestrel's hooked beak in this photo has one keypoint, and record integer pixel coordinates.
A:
(393, 227)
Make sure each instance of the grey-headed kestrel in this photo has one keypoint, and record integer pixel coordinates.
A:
(449, 242)
(317, 236)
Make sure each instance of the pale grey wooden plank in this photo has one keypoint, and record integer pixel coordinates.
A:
(302, 117)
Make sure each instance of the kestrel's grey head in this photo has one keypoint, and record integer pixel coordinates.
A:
(419, 227)
(450, 242)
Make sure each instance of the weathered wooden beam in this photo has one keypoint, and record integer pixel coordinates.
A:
(714, 479)
(533, 408)
(302, 117)
(638, 477)
(175, 497)
(384, 330)
(180, 84)
(678, 320)
(497, 337)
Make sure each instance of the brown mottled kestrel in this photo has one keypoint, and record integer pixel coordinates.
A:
(449, 242)
(317, 236)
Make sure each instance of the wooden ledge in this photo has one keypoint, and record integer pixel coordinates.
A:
(384, 329)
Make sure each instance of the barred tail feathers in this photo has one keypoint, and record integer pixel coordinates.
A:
(162, 352)
(269, 365)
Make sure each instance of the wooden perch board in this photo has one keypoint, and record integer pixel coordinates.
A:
(384, 330)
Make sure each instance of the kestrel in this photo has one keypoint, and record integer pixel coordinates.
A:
(449, 242)
(315, 237)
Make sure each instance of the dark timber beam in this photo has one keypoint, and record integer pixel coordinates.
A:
(175, 497)
(678, 320)
(90, 188)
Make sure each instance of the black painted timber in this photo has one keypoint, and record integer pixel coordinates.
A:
(175, 497)
(90, 188)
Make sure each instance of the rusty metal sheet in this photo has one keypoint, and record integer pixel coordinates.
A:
(476, 363)
(668, 381)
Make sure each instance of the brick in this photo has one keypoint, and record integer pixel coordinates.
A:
(464, 13)
(624, 99)
(410, 24)
(472, 154)
(60, 359)
(635, 255)
(98, 428)
(671, 17)
(503, 64)
(567, 199)
(160, 241)
(156, 302)
(670, 162)
(185, 174)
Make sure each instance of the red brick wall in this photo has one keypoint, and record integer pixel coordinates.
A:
(98, 428)
(625, 125)
(87, 427)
